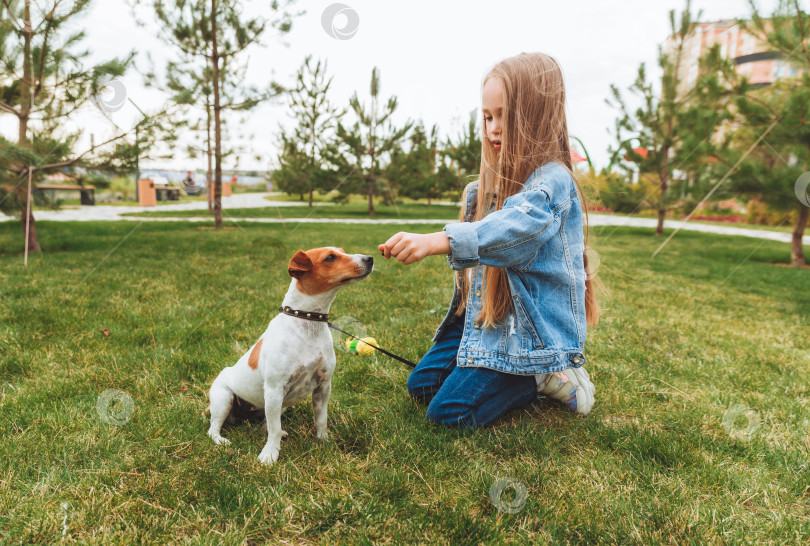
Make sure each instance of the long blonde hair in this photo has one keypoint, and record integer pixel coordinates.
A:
(534, 132)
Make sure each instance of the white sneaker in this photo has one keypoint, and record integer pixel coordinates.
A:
(571, 386)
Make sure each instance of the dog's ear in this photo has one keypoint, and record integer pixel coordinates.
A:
(299, 265)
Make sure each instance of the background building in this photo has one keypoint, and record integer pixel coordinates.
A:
(753, 58)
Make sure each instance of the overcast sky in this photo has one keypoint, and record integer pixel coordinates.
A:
(431, 54)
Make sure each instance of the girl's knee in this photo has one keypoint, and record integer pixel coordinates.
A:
(420, 388)
(452, 415)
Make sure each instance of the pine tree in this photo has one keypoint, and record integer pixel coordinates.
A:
(465, 151)
(189, 81)
(764, 145)
(43, 77)
(372, 136)
(217, 31)
(655, 124)
(782, 109)
(302, 159)
(415, 173)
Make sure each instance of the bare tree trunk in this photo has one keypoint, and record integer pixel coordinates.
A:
(371, 186)
(208, 186)
(371, 196)
(796, 248)
(217, 126)
(312, 154)
(662, 212)
(26, 104)
(373, 142)
(664, 173)
(33, 240)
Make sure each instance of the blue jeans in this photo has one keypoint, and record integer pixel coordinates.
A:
(465, 397)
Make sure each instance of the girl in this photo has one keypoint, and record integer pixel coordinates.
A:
(517, 322)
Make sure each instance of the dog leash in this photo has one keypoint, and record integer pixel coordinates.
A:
(383, 351)
(324, 317)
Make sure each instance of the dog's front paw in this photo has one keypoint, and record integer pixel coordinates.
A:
(322, 434)
(219, 440)
(269, 455)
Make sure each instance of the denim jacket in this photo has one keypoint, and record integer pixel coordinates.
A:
(537, 237)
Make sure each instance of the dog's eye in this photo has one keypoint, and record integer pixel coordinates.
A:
(330, 258)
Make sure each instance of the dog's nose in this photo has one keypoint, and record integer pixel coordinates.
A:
(368, 260)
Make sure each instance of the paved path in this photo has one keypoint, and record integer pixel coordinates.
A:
(113, 212)
(257, 200)
(616, 220)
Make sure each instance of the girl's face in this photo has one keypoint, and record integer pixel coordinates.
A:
(492, 105)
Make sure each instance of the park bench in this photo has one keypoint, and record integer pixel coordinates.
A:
(167, 193)
(87, 193)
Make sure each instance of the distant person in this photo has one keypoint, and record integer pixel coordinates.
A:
(190, 186)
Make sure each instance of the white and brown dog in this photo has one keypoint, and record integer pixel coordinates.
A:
(295, 356)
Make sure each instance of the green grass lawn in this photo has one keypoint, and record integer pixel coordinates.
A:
(103, 200)
(711, 328)
(352, 198)
(359, 209)
(785, 227)
(418, 211)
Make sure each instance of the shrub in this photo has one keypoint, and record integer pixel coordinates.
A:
(96, 180)
(122, 187)
(620, 195)
(340, 198)
(759, 213)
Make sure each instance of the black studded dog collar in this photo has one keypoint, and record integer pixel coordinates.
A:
(306, 315)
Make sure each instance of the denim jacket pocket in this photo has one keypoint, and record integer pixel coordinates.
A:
(527, 325)
(490, 339)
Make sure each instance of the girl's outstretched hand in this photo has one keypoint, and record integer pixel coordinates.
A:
(409, 248)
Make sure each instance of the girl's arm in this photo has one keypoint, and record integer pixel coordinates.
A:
(412, 247)
(509, 237)
(513, 235)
